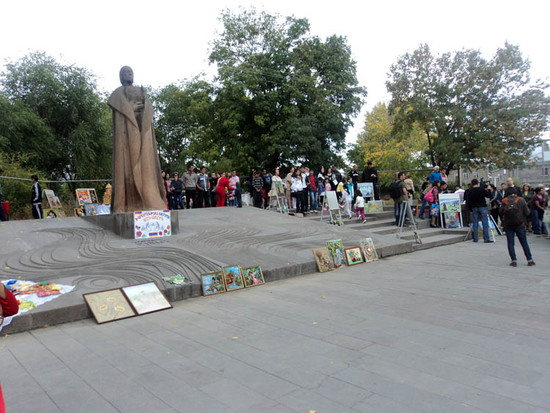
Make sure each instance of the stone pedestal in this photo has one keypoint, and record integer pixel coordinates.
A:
(123, 224)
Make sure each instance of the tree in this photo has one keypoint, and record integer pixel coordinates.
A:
(66, 100)
(284, 96)
(386, 149)
(473, 111)
(183, 124)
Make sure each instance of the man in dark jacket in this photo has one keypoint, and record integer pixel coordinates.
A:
(514, 212)
(370, 174)
(476, 202)
(36, 198)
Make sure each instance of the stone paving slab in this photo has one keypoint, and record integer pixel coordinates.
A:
(74, 251)
(451, 329)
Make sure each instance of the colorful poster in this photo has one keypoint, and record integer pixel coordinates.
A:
(450, 210)
(91, 209)
(152, 224)
(366, 188)
(50, 197)
(83, 196)
(374, 207)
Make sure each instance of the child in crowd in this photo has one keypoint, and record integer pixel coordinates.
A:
(328, 187)
(346, 202)
(360, 206)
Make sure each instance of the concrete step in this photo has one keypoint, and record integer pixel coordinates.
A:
(439, 240)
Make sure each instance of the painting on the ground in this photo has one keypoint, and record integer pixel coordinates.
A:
(323, 259)
(354, 256)
(252, 276)
(232, 277)
(369, 251)
(146, 298)
(48, 213)
(109, 305)
(212, 283)
(492, 230)
(452, 220)
(374, 207)
(336, 250)
(91, 209)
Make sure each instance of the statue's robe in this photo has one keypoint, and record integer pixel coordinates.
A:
(137, 183)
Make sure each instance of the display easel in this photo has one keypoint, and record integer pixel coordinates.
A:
(330, 203)
(280, 200)
(406, 212)
(480, 225)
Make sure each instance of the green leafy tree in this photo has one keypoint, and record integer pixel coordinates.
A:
(66, 99)
(388, 150)
(284, 96)
(183, 124)
(473, 111)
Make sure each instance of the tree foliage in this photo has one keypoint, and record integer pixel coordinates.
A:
(65, 100)
(473, 111)
(183, 124)
(284, 96)
(387, 149)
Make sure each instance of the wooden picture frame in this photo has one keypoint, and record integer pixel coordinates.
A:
(336, 250)
(79, 212)
(213, 283)
(323, 259)
(49, 213)
(146, 298)
(83, 196)
(252, 276)
(109, 305)
(354, 256)
(368, 249)
(232, 277)
(93, 196)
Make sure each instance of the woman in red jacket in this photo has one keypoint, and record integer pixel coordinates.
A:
(223, 184)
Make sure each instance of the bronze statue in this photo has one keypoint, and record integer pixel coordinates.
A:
(137, 184)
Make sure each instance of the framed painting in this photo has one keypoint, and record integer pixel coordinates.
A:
(83, 197)
(336, 250)
(322, 259)
(91, 209)
(252, 276)
(109, 305)
(367, 247)
(232, 277)
(374, 207)
(354, 256)
(48, 213)
(146, 298)
(79, 212)
(212, 283)
(50, 197)
(93, 196)
(366, 188)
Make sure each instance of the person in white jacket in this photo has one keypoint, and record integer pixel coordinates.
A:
(360, 206)
(346, 199)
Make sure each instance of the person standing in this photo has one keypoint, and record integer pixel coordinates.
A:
(213, 184)
(476, 202)
(514, 212)
(495, 202)
(203, 189)
(313, 192)
(266, 177)
(288, 186)
(177, 186)
(400, 197)
(190, 184)
(370, 174)
(354, 174)
(36, 198)
(538, 206)
(235, 185)
(221, 188)
(435, 175)
(169, 191)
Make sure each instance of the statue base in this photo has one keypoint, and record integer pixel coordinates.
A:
(123, 224)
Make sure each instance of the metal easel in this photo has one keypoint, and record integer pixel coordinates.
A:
(406, 212)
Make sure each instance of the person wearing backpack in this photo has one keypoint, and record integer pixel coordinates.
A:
(399, 194)
(514, 212)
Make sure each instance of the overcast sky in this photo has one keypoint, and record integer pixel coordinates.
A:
(166, 41)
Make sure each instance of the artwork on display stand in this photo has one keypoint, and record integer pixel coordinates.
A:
(93, 196)
(323, 259)
(368, 249)
(50, 197)
(49, 213)
(146, 298)
(152, 224)
(492, 230)
(109, 305)
(79, 212)
(354, 256)
(367, 189)
(212, 283)
(90, 209)
(83, 196)
(374, 207)
(336, 250)
(332, 200)
(252, 276)
(232, 277)
(450, 210)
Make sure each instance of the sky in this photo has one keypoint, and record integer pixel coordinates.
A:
(166, 41)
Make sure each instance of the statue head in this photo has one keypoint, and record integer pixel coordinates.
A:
(126, 76)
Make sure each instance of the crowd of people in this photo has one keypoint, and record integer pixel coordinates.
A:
(303, 189)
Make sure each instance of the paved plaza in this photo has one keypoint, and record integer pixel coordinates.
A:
(448, 329)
